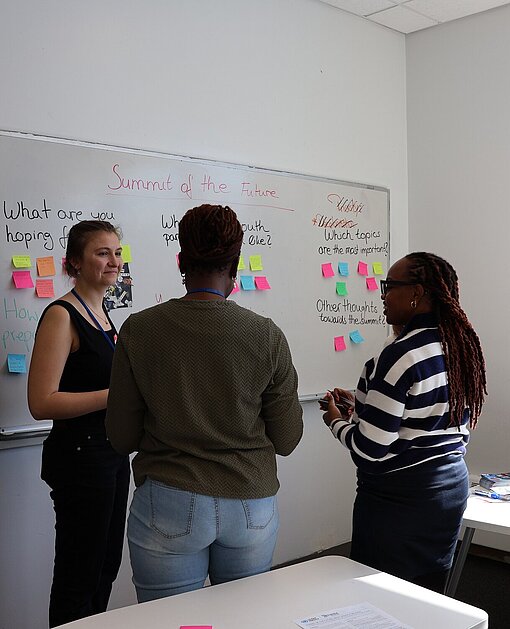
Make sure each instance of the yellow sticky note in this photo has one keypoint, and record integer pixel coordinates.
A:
(45, 266)
(256, 263)
(126, 253)
(377, 267)
(241, 266)
(21, 262)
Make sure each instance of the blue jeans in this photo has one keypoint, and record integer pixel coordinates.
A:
(177, 538)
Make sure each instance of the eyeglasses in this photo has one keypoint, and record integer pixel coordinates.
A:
(387, 284)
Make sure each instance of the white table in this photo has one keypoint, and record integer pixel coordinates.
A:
(275, 599)
(484, 516)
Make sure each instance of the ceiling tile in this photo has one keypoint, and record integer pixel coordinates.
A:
(361, 7)
(445, 10)
(402, 19)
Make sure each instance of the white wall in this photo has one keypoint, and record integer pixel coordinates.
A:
(293, 85)
(459, 172)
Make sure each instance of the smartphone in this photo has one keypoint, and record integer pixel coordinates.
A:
(344, 405)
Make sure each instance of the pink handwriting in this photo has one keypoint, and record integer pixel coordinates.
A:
(250, 190)
(208, 185)
(343, 204)
(139, 184)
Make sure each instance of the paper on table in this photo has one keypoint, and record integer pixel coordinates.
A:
(363, 615)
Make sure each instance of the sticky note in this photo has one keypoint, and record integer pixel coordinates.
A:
(45, 266)
(341, 288)
(327, 270)
(17, 363)
(256, 263)
(44, 288)
(241, 265)
(126, 253)
(261, 282)
(339, 343)
(236, 289)
(343, 268)
(371, 283)
(22, 279)
(356, 337)
(362, 268)
(377, 268)
(196, 627)
(21, 262)
(247, 282)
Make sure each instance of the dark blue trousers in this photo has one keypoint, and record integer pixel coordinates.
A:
(89, 483)
(406, 523)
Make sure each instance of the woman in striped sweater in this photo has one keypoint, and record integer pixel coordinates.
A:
(409, 429)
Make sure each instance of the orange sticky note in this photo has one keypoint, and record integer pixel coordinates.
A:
(45, 266)
(22, 279)
(44, 288)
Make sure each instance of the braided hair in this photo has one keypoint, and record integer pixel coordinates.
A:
(465, 364)
(210, 237)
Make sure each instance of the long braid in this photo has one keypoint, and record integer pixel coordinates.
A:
(465, 364)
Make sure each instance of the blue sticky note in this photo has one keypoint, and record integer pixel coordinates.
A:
(17, 363)
(247, 282)
(356, 337)
(343, 268)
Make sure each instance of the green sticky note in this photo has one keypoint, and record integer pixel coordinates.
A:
(377, 267)
(21, 262)
(126, 253)
(341, 288)
(241, 266)
(256, 263)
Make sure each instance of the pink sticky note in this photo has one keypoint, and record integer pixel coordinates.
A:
(362, 268)
(44, 288)
(339, 343)
(327, 270)
(371, 283)
(236, 289)
(196, 627)
(261, 282)
(22, 279)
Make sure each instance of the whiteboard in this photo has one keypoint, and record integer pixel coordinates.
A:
(295, 223)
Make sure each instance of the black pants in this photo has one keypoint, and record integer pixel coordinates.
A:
(407, 522)
(90, 484)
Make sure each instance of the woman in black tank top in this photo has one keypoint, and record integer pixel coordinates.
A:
(68, 383)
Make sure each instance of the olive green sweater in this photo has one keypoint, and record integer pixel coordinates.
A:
(206, 393)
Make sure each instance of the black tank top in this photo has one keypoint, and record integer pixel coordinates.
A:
(86, 369)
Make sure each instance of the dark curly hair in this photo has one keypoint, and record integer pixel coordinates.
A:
(210, 237)
(465, 364)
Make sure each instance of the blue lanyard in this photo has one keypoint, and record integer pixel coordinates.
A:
(205, 290)
(98, 325)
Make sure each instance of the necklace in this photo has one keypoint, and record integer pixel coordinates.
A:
(206, 290)
(86, 306)
(101, 317)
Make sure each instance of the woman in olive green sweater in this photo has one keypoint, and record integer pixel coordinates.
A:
(206, 393)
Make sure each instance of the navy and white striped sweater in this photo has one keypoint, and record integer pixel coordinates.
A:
(402, 414)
